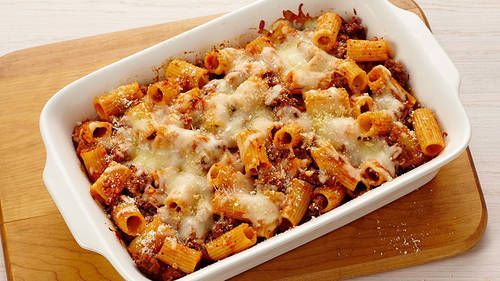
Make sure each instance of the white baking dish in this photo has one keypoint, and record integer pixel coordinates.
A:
(434, 79)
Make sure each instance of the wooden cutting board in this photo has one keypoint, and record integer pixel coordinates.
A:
(442, 219)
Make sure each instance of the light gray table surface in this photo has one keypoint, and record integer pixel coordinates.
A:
(468, 30)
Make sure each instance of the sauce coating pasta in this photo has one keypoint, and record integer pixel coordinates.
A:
(257, 139)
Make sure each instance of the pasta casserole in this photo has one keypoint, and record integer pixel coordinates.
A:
(222, 153)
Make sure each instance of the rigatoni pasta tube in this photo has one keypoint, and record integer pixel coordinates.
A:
(378, 78)
(115, 102)
(380, 81)
(288, 136)
(92, 130)
(276, 196)
(429, 134)
(411, 155)
(298, 196)
(251, 144)
(294, 166)
(179, 256)
(332, 195)
(399, 92)
(375, 123)
(298, 81)
(374, 173)
(242, 206)
(236, 240)
(221, 61)
(228, 205)
(362, 104)
(150, 240)
(355, 76)
(332, 101)
(221, 176)
(410, 99)
(140, 119)
(256, 46)
(163, 138)
(327, 29)
(367, 50)
(217, 62)
(186, 101)
(335, 165)
(163, 92)
(225, 177)
(127, 217)
(186, 74)
(110, 184)
(94, 161)
(280, 30)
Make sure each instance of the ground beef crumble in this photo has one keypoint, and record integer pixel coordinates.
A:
(352, 29)
(398, 72)
(221, 226)
(318, 203)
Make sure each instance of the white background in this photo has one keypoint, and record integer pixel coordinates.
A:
(468, 30)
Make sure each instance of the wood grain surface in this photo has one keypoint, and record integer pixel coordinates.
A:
(28, 144)
(442, 219)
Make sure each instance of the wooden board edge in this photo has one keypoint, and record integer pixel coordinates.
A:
(448, 251)
(478, 234)
(422, 15)
(202, 19)
(379, 266)
(6, 256)
(484, 214)
(15, 53)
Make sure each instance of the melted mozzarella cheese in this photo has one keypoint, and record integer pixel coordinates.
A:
(339, 131)
(166, 116)
(290, 114)
(261, 211)
(290, 55)
(249, 94)
(392, 88)
(271, 58)
(186, 186)
(199, 224)
(375, 150)
(243, 108)
(273, 94)
(183, 148)
(237, 102)
(309, 79)
(151, 160)
(181, 176)
(343, 133)
(262, 122)
(309, 64)
(191, 188)
(243, 66)
(390, 103)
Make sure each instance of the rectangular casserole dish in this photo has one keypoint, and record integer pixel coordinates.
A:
(434, 79)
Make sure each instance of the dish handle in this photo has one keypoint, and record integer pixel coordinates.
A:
(73, 214)
(433, 49)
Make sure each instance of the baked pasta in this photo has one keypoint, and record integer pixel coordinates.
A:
(252, 141)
